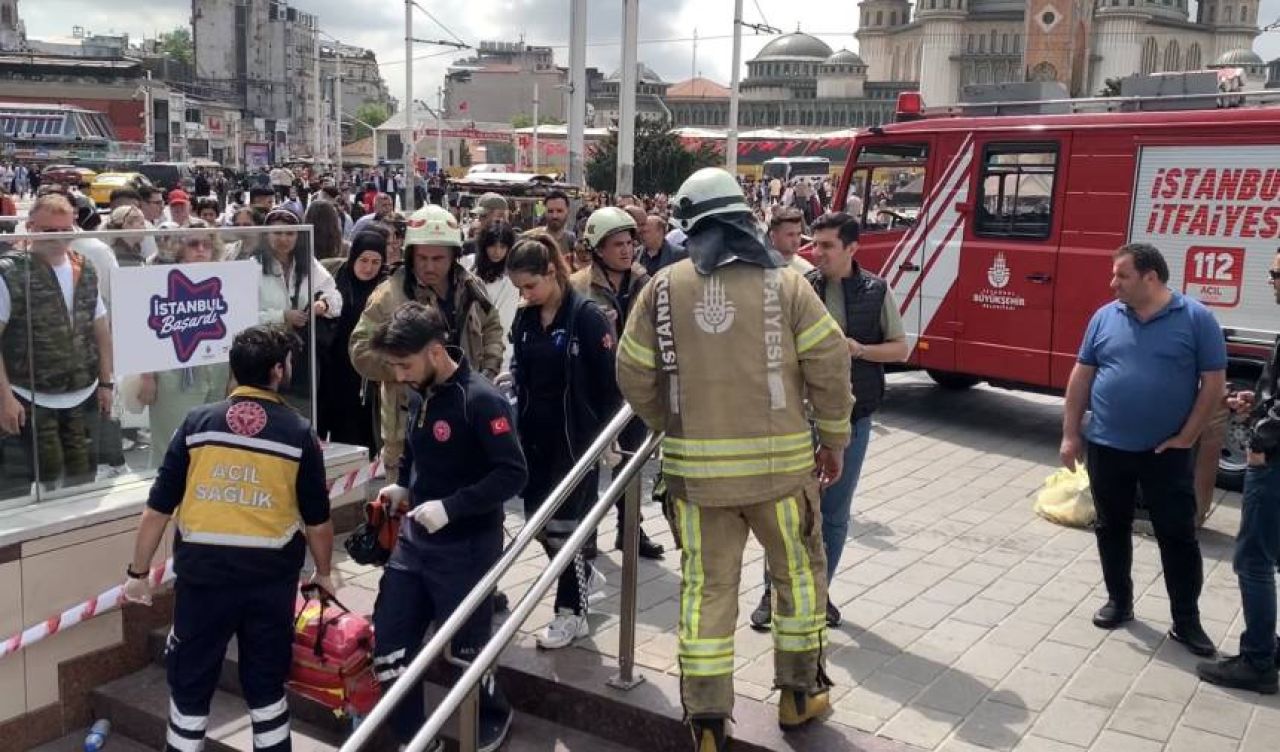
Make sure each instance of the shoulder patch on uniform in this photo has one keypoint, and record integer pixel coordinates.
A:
(246, 418)
(500, 425)
(441, 430)
(607, 341)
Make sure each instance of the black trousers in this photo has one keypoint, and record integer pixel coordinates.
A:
(260, 617)
(1168, 492)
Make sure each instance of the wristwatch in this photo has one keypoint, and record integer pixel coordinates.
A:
(128, 570)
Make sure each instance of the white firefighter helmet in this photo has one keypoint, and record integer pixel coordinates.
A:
(432, 225)
(606, 221)
(708, 192)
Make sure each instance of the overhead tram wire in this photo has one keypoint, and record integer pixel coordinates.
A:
(439, 23)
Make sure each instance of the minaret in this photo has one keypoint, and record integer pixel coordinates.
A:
(1235, 24)
(876, 21)
(942, 36)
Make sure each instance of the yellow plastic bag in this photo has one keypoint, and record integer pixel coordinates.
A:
(1065, 499)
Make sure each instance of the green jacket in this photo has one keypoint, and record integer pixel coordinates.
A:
(61, 343)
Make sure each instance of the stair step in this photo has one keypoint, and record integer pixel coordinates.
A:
(138, 707)
(74, 742)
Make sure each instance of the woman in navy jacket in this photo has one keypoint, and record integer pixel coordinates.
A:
(563, 365)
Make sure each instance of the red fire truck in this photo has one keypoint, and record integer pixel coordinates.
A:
(996, 233)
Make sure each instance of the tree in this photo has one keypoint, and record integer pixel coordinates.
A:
(662, 162)
(176, 45)
(373, 113)
(525, 120)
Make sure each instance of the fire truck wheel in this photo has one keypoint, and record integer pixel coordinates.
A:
(956, 381)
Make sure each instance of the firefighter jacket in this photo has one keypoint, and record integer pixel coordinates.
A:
(241, 478)
(59, 353)
(723, 364)
(462, 449)
(593, 283)
(474, 327)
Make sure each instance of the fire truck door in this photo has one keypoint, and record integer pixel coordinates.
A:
(887, 194)
(1006, 283)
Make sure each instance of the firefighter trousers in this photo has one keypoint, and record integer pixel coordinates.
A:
(260, 617)
(790, 529)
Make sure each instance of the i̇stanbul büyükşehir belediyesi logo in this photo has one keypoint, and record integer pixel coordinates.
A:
(190, 313)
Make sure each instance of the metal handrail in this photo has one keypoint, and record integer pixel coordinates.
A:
(417, 668)
(465, 686)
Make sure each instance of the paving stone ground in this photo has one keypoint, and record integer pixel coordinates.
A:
(966, 616)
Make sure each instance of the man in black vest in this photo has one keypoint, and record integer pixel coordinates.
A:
(864, 307)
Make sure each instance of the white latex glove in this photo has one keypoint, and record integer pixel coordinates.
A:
(431, 515)
(138, 591)
(505, 381)
(394, 497)
(329, 583)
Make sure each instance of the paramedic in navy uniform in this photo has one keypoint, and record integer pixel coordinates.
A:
(244, 482)
(461, 462)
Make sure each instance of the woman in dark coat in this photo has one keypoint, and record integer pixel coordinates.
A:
(348, 406)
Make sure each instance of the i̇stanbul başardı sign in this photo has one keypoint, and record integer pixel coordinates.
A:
(180, 315)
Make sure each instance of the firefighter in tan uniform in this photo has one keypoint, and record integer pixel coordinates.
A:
(720, 352)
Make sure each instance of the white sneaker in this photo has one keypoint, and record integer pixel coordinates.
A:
(563, 630)
(595, 584)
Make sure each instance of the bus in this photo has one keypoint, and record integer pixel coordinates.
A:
(786, 168)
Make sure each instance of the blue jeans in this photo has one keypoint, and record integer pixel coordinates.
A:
(1257, 550)
(837, 499)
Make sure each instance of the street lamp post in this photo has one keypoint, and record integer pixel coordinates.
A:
(408, 137)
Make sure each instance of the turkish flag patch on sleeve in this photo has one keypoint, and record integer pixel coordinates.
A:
(500, 426)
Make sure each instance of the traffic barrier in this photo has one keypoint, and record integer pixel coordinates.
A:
(161, 574)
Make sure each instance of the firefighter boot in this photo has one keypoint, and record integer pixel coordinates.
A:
(797, 707)
(709, 735)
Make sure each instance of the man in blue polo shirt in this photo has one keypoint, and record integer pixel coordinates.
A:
(1151, 368)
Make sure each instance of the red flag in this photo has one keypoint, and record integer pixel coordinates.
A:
(462, 106)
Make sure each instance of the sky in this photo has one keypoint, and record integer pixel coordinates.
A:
(666, 29)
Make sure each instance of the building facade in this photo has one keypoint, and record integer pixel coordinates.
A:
(603, 95)
(497, 84)
(796, 81)
(266, 52)
(948, 44)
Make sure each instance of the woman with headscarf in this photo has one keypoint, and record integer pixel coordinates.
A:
(348, 404)
(171, 394)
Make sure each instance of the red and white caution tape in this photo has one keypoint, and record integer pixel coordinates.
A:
(161, 574)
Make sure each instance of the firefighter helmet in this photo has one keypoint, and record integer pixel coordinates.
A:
(432, 225)
(708, 192)
(604, 222)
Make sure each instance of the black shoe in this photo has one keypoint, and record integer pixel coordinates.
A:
(1193, 636)
(709, 735)
(649, 549)
(495, 716)
(500, 603)
(1111, 616)
(590, 551)
(1237, 672)
(762, 617)
(833, 616)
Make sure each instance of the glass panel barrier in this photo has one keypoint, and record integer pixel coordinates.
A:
(152, 314)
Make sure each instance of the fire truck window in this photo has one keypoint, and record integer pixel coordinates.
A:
(1017, 191)
(890, 179)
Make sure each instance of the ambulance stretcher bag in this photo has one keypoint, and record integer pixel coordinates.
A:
(1065, 499)
(372, 542)
(333, 655)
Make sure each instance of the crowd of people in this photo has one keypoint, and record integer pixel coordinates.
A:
(481, 358)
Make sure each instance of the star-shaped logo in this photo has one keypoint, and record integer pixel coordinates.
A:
(189, 314)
